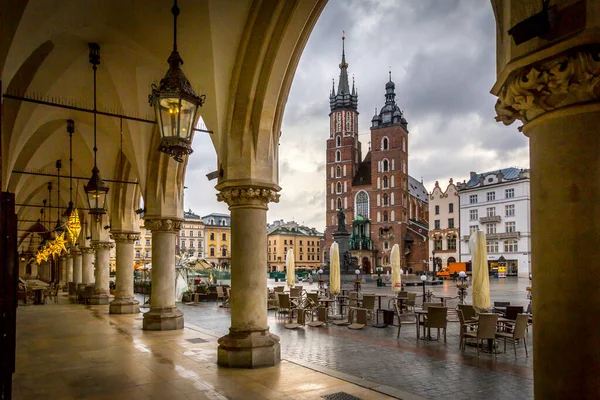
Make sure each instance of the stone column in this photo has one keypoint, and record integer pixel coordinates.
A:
(163, 314)
(249, 343)
(102, 269)
(77, 265)
(35, 270)
(62, 268)
(124, 302)
(87, 265)
(557, 100)
(69, 268)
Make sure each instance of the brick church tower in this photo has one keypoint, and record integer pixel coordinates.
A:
(343, 150)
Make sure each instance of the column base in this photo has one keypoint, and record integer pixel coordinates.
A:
(249, 349)
(124, 306)
(163, 319)
(99, 299)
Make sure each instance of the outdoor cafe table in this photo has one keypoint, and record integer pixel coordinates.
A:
(37, 294)
(443, 299)
(326, 301)
(378, 324)
(341, 299)
(418, 314)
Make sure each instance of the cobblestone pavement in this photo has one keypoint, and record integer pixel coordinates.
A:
(434, 370)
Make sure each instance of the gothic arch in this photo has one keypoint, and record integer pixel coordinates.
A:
(362, 204)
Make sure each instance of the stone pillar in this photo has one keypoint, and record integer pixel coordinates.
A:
(62, 265)
(70, 268)
(124, 302)
(77, 265)
(102, 269)
(557, 100)
(34, 269)
(163, 314)
(87, 265)
(249, 343)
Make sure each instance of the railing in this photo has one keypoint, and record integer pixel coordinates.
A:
(494, 218)
(504, 235)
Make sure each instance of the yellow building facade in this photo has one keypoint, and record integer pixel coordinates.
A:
(306, 243)
(217, 233)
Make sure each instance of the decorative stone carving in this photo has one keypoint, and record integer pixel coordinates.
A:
(87, 250)
(126, 237)
(162, 224)
(250, 195)
(552, 84)
(103, 245)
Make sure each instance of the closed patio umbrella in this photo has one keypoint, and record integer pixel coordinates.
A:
(334, 269)
(396, 276)
(291, 268)
(481, 276)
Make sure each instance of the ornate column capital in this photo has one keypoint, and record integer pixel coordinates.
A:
(248, 196)
(162, 224)
(87, 250)
(551, 84)
(76, 251)
(102, 245)
(125, 237)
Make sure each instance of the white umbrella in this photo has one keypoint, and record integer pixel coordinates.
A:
(291, 268)
(334, 269)
(481, 275)
(396, 275)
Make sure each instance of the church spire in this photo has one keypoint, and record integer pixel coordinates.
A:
(344, 98)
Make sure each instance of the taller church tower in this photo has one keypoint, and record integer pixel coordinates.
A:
(343, 151)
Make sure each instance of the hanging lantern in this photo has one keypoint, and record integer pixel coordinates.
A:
(176, 105)
(74, 227)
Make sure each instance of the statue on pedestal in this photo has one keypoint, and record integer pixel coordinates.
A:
(341, 221)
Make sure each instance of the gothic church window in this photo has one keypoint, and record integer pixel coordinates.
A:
(385, 200)
(362, 204)
(338, 172)
(338, 141)
(338, 155)
(385, 182)
(384, 144)
(385, 216)
(339, 187)
(386, 165)
(339, 203)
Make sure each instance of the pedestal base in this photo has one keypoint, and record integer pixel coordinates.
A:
(244, 349)
(124, 306)
(163, 319)
(99, 299)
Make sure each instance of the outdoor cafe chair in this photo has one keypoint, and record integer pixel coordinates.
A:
(518, 333)
(220, 294)
(295, 292)
(279, 289)
(272, 301)
(464, 325)
(486, 330)
(368, 303)
(468, 312)
(286, 305)
(437, 318)
(399, 315)
(361, 319)
(427, 305)
(321, 317)
(412, 298)
(512, 312)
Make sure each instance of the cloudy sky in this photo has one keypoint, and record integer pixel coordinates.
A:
(442, 58)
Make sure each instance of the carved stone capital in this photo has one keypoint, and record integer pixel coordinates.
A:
(75, 251)
(165, 225)
(237, 196)
(549, 85)
(87, 250)
(103, 245)
(125, 237)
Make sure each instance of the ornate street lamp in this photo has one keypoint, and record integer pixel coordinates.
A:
(96, 190)
(423, 279)
(357, 281)
(176, 104)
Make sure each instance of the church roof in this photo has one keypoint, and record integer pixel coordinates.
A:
(508, 174)
(416, 189)
(344, 99)
(390, 113)
(363, 174)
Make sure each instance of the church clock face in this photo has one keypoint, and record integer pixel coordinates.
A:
(338, 124)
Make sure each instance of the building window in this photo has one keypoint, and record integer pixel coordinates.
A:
(212, 236)
(338, 155)
(137, 242)
(491, 196)
(385, 182)
(492, 246)
(147, 242)
(224, 236)
(385, 166)
(183, 233)
(473, 228)
(450, 222)
(285, 241)
(490, 228)
(338, 141)
(224, 252)
(137, 254)
(437, 210)
(147, 253)
(473, 215)
(211, 221)
(510, 210)
(452, 244)
(437, 244)
(385, 144)
(339, 188)
(511, 246)
(212, 251)
(338, 172)
(339, 203)
(509, 193)
(473, 199)
(191, 233)
(385, 216)
(451, 207)
(510, 227)
(183, 244)
(490, 211)
(362, 204)
(191, 244)
(385, 200)
(437, 224)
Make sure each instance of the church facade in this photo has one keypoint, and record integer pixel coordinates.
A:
(381, 203)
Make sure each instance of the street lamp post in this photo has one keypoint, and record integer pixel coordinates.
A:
(379, 281)
(357, 281)
(320, 272)
(462, 287)
(433, 263)
(423, 279)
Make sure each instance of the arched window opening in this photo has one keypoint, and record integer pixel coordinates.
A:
(385, 200)
(338, 141)
(385, 216)
(385, 144)
(362, 204)
(338, 156)
(338, 172)
(339, 187)
(339, 203)
(385, 182)
(386, 165)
